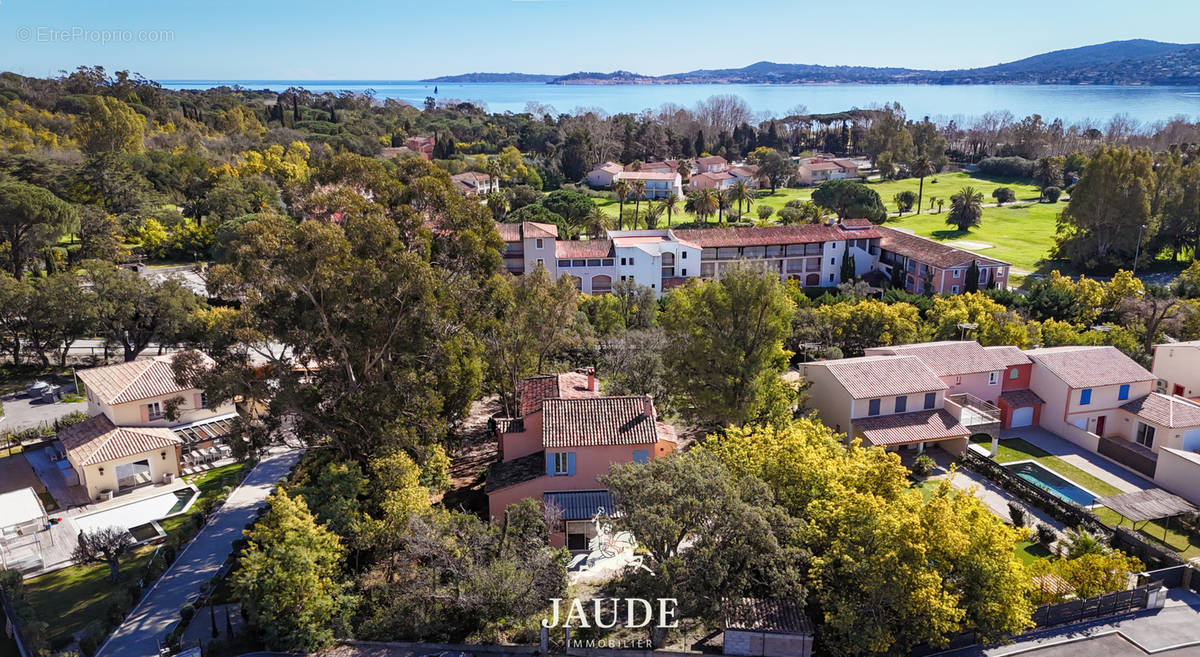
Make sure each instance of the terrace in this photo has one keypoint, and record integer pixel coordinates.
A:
(974, 413)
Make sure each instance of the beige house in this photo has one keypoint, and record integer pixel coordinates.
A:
(143, 425)
(1176, 368)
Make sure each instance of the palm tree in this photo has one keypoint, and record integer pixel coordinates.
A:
(742, 192)
(1080, 542)
(494, 170)
(639, 193)
(920, 168)
(703, 203)
(941, 202)
(669, 203)
(653, 212)
(596, 222)
(684, 168)
(966, 208)
(724, 200)
(622, 189)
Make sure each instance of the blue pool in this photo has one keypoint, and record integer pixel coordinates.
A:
(1053, 483)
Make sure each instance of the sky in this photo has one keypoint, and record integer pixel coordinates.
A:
(406, 39)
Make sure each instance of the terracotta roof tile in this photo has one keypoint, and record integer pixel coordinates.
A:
(711, 159)
(868, 377)
(950, 357)
(647, 175)
(906, 428)
(1009, 355)
(1165, 410)
(127, 382)
(583, 248)
(503, 474)
(1019, 398)
(597, 421)
(804, 234)
(97, 440)
(537, 389)
(928, 251)
(1088, 367)
(766, 615)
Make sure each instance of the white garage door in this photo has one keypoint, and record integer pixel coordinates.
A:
(1191, 440)
(1022, 417)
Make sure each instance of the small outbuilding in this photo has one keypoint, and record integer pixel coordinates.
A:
(760, 627)
(22, 521)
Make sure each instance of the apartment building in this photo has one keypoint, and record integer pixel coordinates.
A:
(930, 267)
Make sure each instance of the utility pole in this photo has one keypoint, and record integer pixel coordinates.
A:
(1137, 251)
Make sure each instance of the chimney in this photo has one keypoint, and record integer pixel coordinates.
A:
(591, 381)
(648, 409)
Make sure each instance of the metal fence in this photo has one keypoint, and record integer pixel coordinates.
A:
(1110, 604)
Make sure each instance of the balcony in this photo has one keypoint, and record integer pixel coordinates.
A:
(975, 414)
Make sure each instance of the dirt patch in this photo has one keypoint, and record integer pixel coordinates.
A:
(477, 449)
(16, 474)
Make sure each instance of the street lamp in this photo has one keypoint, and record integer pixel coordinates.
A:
(1137, 251)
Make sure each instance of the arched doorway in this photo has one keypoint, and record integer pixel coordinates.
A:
(601, 284)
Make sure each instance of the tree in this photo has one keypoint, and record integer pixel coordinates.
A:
(851, 200)
(621, 189)
(1004, 195)
(15, 299)
(1048, 172)
(920, 168)
(905, 201)
(669, 203)
(966, 209)
(709, 536)
(31, 219)
(971, 284)
(288, 578)
(777, 168)
(740, 191)
(997, 325)
(847, 272)
(61, 311)
(534, 317)
(853, 327)
(100, 236)
(133, 312)
(703, 203)
(110, 126)
(726, 350)
(1108, 207)
(765, 212)
(105, 545)
(1051, 194)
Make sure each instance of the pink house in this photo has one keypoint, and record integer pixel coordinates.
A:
(567, 436)
(422, 145)
(715, 180)
(711, 164)
(930, 267)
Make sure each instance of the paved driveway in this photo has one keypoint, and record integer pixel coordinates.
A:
(138, 636)
(51, 476)
(21, 412)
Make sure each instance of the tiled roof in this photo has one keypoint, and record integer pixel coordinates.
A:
(868, 377)
(711, 159)
(580, 504)
(597, 421)
(1087, 367)
(907, 428)
(951, 357)
(509, 232)
(1009, 355)
(473, 177)
(583, 248)
(503, 474)
(766, 615)
(1165, 410)
(713, 176)
(821, 166)
(567, 385)
(611, 167)
(647, 175)
(928, 251)
(1020, 398)
(534, 229)
(97, 440)
(802, 234)
(127, 382)
(745, 170)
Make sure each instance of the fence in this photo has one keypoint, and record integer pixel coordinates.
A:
(1109, 604)
(1122, 451)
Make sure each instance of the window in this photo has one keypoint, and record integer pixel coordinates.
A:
(622, 262)
(641, 456)
(539, 243)
(561, 463)
(993, 378)
(203, 399)
(833, 261)
(954, 289)
(683, 255)
(541, 262)
(901, 404)
(564, 263)
(154, 410)
(930, 400)
(1013, 373)
(631, 262)
(956, 273)
(579, 534)
(1123, 393)
(685, 272)
(1145, 435)
(831, 278)
(873, 407)
(1085, 396)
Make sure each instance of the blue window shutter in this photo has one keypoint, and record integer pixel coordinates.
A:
(1085, 396)
(571, 464)
(641, 456)
(1124, 393)
(549, 464)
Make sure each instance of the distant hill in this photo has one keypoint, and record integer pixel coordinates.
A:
(1132, 62)
(493, 77)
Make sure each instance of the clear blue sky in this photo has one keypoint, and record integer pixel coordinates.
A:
(409, 39)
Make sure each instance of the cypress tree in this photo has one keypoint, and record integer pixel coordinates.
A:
(972, 282)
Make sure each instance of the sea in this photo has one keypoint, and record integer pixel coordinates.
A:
(1078, 104)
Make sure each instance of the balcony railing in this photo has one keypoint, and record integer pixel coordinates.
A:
(972, 411)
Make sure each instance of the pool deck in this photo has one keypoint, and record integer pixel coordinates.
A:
(993, 497)
(1103, 469)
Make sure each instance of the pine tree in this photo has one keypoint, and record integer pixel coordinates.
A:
(972, 282)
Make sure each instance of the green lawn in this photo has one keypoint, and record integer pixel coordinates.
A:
(1030, 551)
(70, 598)
(1015, 449)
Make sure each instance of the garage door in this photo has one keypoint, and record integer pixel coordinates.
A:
(1022, 417)
(1191, 440)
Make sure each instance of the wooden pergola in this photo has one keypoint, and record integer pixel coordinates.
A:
(1146, 506)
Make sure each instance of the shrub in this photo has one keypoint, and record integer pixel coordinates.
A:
(790, 215)
(1004, 195)
(58, 642)
(187, 613)
(764, 213)
(1052, 194)
(1017, 513)
(1007, 167)
(1046, 535)
(93, 636)
(114, 613)
(923, 466)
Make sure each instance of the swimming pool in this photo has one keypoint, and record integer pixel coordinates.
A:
(1055, 484)
(136, 513)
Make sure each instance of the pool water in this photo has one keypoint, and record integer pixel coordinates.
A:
(136, 513)
(1052, 483)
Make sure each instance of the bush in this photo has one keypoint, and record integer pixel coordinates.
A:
(1007, 167)
(923, 466)
(790, 215)
(187, 613)
(58, 642)
(1017, 513)
(1046, 535)
(93, 636)
(1004, 195)
(764, 213)
(1052, 194)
